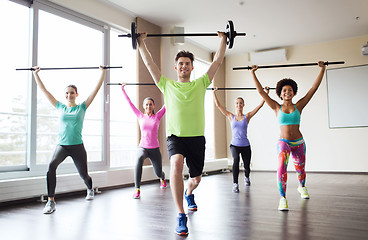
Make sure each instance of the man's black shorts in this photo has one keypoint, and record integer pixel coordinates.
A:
(192, 148)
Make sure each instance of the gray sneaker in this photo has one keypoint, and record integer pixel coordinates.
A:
(247, 181)
(236, 188)
(90, 194)
(50, 207)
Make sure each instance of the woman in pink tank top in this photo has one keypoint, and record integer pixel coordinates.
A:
(149, 123)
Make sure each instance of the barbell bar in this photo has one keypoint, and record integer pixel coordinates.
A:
(289, 65)
(233, 88)
(131, 84)
(65, 68)
(229, 32)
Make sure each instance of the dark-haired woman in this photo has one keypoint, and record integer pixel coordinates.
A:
(149, 145)
(71, 117)
(291, 139)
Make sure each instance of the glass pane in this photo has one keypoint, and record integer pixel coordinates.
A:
(64, 43)
(200, 68)
(14, 49)
(123, 122)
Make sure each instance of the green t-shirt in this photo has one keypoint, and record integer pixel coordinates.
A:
(184, 106)
(70, 123)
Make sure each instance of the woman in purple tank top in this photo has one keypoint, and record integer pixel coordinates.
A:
(239, 143)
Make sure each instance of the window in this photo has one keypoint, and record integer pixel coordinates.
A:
(123, 122)
(14, 50)
(28, 122)
(45, 34)
(70, 44)
(200, 68)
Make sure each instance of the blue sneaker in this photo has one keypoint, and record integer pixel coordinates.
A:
(181, 228)
(191, 203)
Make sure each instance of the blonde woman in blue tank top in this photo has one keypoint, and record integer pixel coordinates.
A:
(291, 139)
(240, 144)
(71, 117)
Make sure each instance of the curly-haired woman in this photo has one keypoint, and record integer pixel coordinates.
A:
(291, 139)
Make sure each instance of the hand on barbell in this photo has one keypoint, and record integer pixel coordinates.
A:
(36, 69)
(123, 84)
(104, 67)
(142, 35)
(215, 89)
(321, 64)
(267, 89)
(221, 34)
(254, 68)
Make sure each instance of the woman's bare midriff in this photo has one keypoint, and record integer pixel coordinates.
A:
(290, 132)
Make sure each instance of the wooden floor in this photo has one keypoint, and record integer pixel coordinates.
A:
(338, 209)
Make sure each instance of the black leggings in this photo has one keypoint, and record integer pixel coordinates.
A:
(79, 156)
(246, 155)
(154, 155)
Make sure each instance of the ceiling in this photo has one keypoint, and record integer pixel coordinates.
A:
(268, 24)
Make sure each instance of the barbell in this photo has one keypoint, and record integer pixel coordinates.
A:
(233, 88)
(65, 68)
(289, 65)
(229, 32)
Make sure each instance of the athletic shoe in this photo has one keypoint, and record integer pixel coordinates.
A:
(247, 181)
(236, 188)
(191, 203)
(90, 194)
(50, 207)
(137, 194)
(283, 206)
(163, 183)
(303, 192)
(181, 228)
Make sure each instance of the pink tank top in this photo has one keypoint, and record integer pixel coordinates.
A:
(148, 125)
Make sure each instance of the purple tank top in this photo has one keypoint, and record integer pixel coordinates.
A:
(239, 132)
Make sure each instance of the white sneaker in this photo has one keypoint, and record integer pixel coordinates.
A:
(303, 192)
(236, 188)
(90, 194)
(283, 205)
(50, 207)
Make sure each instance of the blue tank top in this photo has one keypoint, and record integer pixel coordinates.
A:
(239, 132)
(292, 118)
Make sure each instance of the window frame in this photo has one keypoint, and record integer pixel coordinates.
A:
(79, 19)
(25, 166)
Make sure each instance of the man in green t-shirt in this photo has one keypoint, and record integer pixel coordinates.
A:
(184, 101)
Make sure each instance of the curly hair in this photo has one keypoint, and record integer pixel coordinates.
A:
(286, 82)
(184, 54)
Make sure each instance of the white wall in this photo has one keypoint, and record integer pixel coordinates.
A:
(100, 10)
(170, 50)
(335, 150)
